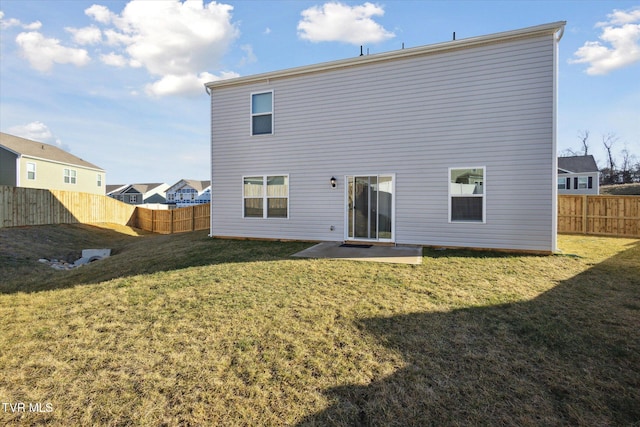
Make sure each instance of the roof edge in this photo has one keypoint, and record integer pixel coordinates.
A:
(550, 28)
(44, 159)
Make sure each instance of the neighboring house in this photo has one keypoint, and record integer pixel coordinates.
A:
(31, 164)
(451, 144)
(189, 192)
(112, 189)
(578, 175)
(138, 194)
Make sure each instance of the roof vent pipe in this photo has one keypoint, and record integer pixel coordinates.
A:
(454, 35)
(361, 54)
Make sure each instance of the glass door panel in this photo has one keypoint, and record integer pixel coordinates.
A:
(369, 207)
(361, 207)
(385, 208)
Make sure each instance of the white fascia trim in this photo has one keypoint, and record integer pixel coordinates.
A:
(551, 28)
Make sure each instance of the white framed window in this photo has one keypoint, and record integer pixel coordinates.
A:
(265, 196)
(562, 183)
(31, 171)
(99, 180)
(70, 176)
(262, 113)
(467, 200)
(583, 182)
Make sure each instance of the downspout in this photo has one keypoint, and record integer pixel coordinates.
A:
(18, 161)
(554, 180)
(206, 88)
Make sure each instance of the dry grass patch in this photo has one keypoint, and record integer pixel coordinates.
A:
(190, 330)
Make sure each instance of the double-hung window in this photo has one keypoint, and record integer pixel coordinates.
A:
(265, 196)
(31, 171)
(99, 180)
(467, 194)
(70, 176)
(262, 113)
(562, 183)
(583, 182)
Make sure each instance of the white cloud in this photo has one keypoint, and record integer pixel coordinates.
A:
(619, 45)
(621, 17)
(185, 84)
(174, 40)
(8, 23)
(42, 52)
(37, 131)
(36, 25)
(249, 57)
(86, 35)
(115, 38)
(13, 22)
(100, 13)
(336, 21)
(114, 60)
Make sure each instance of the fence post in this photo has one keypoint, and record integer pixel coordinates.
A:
(585, 214)
(171, 218)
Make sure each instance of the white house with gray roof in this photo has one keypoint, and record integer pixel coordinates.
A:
(32, 164)
(578, 175)
(451, 144)
(189, 192)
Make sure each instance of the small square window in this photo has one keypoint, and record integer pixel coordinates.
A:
(31, 171)
(562, 183)
(70, 176)
(583, 182)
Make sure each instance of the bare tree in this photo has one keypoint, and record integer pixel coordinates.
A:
(626, 166)
(608, 140)
(568, 152)
(584, 137)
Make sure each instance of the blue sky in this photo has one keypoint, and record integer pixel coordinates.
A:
(120, 83)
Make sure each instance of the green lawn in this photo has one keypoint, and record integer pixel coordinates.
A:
(189, 330)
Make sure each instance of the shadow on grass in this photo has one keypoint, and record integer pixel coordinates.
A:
(20, 249)
(567, 357)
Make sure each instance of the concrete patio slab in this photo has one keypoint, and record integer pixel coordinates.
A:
(390, 254)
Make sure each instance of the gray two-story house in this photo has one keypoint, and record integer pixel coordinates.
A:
(451, 144)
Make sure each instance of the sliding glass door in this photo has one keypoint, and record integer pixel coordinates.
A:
(370, 207)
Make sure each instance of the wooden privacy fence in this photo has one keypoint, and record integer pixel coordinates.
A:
(602, 215)
(584, 214)
(180, 220)
(29, 206)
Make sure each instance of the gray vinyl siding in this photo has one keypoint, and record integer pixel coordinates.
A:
(8, 164)
(489, 106)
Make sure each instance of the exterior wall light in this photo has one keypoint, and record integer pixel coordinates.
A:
(333, 181)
